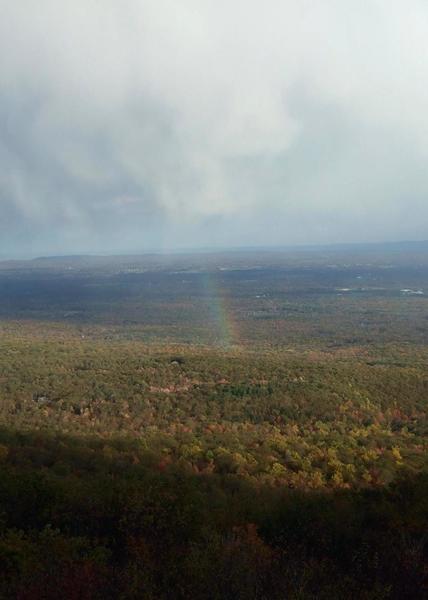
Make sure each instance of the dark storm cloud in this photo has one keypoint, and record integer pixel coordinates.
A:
(137, 124)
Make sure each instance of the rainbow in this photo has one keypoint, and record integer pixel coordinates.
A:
(221, 312)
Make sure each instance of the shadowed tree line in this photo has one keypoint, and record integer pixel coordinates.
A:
(85, 518)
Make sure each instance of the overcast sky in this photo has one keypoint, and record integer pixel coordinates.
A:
(127, 125)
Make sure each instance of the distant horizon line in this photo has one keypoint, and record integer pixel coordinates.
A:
(215, 249)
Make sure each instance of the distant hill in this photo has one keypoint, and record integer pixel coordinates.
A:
(390, 253)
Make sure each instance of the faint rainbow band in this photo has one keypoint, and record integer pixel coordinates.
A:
(221, 311)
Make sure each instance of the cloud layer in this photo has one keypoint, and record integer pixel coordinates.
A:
(156, 123)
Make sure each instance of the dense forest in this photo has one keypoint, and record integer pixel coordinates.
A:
(219, 426)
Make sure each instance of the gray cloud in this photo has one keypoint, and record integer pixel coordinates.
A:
(151, 123)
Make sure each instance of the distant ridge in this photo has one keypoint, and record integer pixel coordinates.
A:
(393, 245)
(407, 249)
